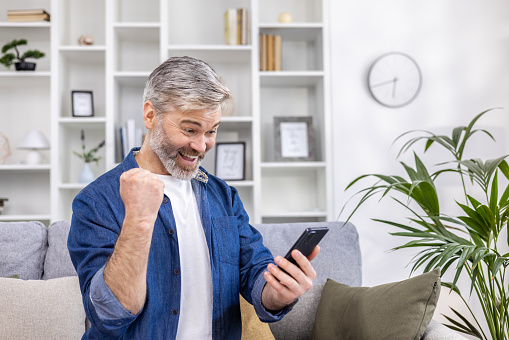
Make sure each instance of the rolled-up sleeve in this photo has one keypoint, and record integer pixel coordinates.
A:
(104, 301)
(263, 314)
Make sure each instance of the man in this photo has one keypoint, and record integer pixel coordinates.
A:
(163, 249)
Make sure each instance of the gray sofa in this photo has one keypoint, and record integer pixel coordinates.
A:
(45, 302)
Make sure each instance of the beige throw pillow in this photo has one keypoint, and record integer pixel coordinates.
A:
(38, 309)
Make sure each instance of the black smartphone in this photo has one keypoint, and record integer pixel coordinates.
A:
(307, 241)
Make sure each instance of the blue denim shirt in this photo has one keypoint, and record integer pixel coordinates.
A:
(237, 255)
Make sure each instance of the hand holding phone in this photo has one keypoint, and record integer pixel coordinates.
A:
(307, 241)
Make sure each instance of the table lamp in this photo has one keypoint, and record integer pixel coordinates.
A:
(34, 141)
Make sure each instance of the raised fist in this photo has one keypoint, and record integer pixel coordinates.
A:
(142, 194)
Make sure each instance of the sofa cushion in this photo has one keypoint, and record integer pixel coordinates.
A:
(22, 249)
(339, 259)
(58, 261)
(400, 310)
(39, 309)
(437, 331)
(252, 327)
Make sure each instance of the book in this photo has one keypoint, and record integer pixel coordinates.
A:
(230, 26)
(243, 26)
(27, 15)
(26, 11)
(131, 134)
(263, 52)
(237, 30)
(239, 26)
(270, 52)
(271, 49)
(27, 18)
(277, 52)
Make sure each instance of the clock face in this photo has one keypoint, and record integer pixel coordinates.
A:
(394, 79)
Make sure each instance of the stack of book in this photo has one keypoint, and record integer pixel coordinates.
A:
(130, 136)
(237, 26)
(25, 15)
(270, 52)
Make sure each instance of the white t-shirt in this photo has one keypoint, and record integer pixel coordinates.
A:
(195, 321)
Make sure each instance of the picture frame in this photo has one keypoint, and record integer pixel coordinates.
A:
(82, 103)
(231, 161)
(294, 139)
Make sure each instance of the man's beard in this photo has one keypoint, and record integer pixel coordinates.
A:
(168, 156)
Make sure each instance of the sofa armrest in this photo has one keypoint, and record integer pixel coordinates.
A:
(437, 331)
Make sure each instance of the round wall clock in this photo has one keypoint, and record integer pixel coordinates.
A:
(394, 79)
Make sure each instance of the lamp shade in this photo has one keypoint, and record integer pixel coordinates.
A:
(34, 139)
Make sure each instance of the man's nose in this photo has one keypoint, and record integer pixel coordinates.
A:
(199, 144)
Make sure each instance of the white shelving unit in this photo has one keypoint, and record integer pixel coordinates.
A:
(132, 38)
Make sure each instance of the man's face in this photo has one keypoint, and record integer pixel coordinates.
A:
(181, 140)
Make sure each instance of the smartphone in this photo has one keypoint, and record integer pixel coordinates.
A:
(307, 242)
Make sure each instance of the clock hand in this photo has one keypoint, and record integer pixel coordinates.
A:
(394, 87)
(384, 82)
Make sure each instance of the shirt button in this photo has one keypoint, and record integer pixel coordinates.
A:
(176, 271)
(170, 231)
(165, 200)
(174, 312)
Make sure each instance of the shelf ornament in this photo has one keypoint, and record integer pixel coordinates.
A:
(86, 175)
(5, 148)
(21, 65)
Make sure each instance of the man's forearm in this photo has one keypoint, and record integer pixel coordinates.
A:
(125, 272)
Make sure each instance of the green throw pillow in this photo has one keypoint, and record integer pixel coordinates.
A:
(399, 310)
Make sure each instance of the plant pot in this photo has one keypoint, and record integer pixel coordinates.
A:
(24, 66)
(86, 175)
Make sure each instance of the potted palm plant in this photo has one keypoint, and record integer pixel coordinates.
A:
(10, 58)
(471, 243)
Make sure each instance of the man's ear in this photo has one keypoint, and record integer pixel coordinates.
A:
(149, 115)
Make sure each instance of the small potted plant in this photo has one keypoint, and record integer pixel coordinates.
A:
(86, 175)
(21, 65)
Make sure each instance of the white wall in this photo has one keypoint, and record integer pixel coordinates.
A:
(462, 48)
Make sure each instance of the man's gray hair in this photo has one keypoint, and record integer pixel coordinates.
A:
(185, 84)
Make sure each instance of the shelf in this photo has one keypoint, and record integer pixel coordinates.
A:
(35, 24)
(25, 168)
(136, 25)
(221, 47)
(293, 165)
(84, 54)
(131, 78)
(239, 184)
(290, 78)
(290, 26)
(15, 218)
(82, 122)
(71, 186)
(25, 77)
(236, 122)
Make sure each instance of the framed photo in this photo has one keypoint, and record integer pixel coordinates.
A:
(294, 138)
(231, 161)
(82, 104)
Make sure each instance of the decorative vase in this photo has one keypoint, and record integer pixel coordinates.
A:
(86, 175)
(24, 66)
